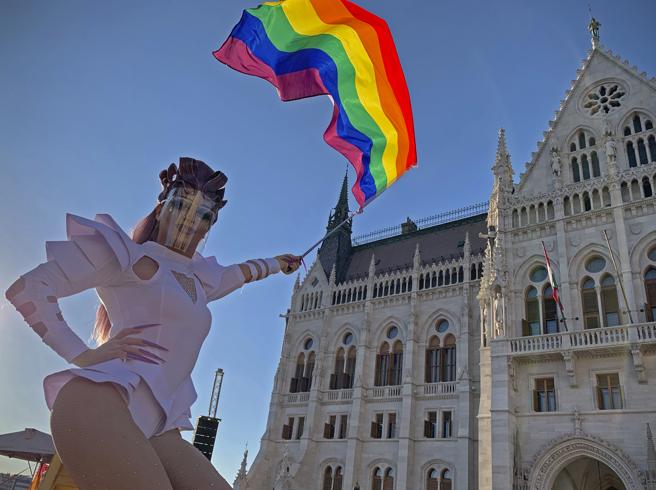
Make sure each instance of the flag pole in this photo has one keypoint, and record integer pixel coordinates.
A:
(331, 232)
(554, 287)
(619, 277)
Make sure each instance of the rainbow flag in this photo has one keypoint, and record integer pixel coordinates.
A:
(334, 47)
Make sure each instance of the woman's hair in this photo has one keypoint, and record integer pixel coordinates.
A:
(190, 172)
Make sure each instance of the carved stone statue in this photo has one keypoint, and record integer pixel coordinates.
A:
(593, 27)
(578, 421)
(498, 314)
(611, 149)
(555, 162)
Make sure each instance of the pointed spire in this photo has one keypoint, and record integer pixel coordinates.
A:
(297, 283)
(651, 451)
(241, 474)
(372, 266)
(336, 249)
(502, 168)
(466, 250)
(333, 276)
(341, 211)
(416, 262)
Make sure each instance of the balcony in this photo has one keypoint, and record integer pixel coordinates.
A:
(634, 339)
(593, 339)
(446, 389)
(339, 395)
(385, 392)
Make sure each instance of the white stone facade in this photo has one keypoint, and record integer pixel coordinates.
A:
(497, 438)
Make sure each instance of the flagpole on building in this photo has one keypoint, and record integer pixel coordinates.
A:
(554, 287)
(619, 277)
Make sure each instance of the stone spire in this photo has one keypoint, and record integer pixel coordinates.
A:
(240, 482)
(416, 260)
(651, 454)
(466, 249)
(503, 181)
(336, 249)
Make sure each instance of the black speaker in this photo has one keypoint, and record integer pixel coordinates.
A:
(205, 435)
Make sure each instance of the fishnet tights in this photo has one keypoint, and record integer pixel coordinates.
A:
(102, 448)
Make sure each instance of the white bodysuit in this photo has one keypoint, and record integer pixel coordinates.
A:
(100, 254)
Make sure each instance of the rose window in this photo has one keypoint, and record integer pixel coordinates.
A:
(604, 99)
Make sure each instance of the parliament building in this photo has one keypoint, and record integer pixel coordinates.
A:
(436, 356)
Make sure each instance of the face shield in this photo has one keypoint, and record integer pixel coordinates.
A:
(185, 219)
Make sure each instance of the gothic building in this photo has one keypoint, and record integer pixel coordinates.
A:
(440, 355)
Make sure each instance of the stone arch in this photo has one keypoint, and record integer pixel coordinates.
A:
(638, 254)
(333, 463)
(560, 452)
(438, 464)
(426, 331)
(381, 330)
(336, 341)
(300, 339)
(522, 272)
(628, 116)
(573, 134)
(576, 264)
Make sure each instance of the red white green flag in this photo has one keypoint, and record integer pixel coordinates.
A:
(552, 281)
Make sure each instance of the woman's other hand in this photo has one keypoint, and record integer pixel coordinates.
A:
(122, 346)
(289, 262)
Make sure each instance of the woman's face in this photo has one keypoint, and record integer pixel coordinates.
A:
(184, 219)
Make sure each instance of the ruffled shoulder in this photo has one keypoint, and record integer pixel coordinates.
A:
(91, 245)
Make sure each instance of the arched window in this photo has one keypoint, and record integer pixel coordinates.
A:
(609, 301)
(630, 154)
(388, 480)
(652, 148)
(446, 483)
(449, 358)
(581, 140)
(650, 293)
(350, 367)
(576, 174)
(515, 219)
(642, 152)
(337, 378)
(549, 311)
(298, 374)
(433, 360)
(585, 167)
(605, 197)
(567, 204)
(590, 304)
(432, 479)
(383, 365)
(626, 195)
(637, 127)
(596, 171)
(532, 325)
(328, 479)
(309, 370)
(646, 187)
(550, 210)
(337, 484)
(377, 479)
(480, 270)
(397, 364)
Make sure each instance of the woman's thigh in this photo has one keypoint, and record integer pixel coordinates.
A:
(98, 441)
(186, 466)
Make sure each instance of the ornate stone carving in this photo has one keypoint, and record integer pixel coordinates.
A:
(559, 452)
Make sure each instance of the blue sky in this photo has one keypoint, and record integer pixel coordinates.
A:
(97, 97)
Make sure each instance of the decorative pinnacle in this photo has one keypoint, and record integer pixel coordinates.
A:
(372, 266)
(417, 258)
(502, 151)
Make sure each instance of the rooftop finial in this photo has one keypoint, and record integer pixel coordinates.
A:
(593, 27)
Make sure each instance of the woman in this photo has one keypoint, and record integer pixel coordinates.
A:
(116, 418)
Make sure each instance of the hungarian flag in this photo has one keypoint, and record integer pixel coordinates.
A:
(552, 280)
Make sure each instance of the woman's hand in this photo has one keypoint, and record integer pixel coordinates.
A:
(289, 263)
(121, 346)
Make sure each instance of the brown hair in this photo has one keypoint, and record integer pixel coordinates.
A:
(190, 172)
